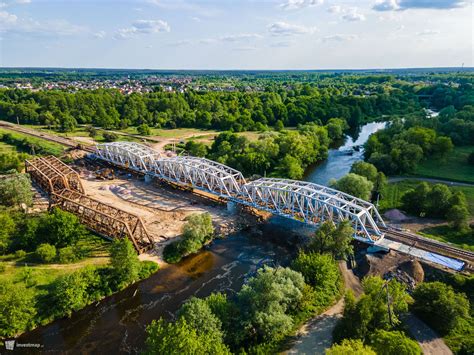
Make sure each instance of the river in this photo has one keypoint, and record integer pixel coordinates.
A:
(117, 323)
(340, 159)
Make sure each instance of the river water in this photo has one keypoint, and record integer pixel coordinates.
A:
(340, 160)
(117, 323)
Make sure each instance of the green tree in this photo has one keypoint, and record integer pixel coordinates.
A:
(267, 302)
(443, 146)
(60, 228)
(350, 347)
(321, 272)
(124, 262)
(199, 316)
(458, 215)
(144, 129)
(354, 185)
(367, 170)
(334, 240)
(439, 306)
(46, 252)
(6, 232)
(370, 312)
(291, 167)
(17, 309)
(196, 149)
(179, 338)
(16, 190)
(393, 343)
(12, 161)
(279, 126)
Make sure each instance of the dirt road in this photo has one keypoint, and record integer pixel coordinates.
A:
(316, 335)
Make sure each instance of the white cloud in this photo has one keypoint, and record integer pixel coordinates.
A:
(352, 15)
(335, 9)
(180, 43)
(100, 34)
(12, 24)
(23, 1)
(428, 33)
(340, 38)
(392, 5)
(281, 28)
(240, 37)
(244, 49)
(195, 18)
(282, 44)
(299, 4)
(143, 27)
(7, 19)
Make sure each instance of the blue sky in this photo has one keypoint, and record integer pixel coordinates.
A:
(236, 34)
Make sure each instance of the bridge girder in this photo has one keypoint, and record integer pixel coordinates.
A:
(202, 174)
(130, 155)
(313, 204)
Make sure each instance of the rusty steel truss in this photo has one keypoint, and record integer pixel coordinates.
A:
(52, 174)
(104, 219)
(63, 185)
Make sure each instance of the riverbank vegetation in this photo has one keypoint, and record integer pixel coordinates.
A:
(196, 232)
(34, 289)
(269, 307)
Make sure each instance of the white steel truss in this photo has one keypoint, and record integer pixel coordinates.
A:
(130, 155)
(313, 204)
(299, 200)
(201, 173)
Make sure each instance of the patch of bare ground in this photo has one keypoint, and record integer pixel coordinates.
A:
(162, 208)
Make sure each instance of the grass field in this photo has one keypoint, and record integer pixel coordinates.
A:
(444, 233)
(392, 197)
(37, 276)
(47, 146)
(454, 167)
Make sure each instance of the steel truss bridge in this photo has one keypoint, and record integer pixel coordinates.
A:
(65, 190)
(299, 200)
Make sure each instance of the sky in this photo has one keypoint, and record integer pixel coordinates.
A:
(236, 34)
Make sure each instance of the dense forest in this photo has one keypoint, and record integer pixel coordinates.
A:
(237, 111)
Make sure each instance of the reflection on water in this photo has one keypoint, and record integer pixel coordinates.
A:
(340, 160)
(117, 324)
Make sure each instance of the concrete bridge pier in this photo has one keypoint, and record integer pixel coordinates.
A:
(148, 178)
(233, 207)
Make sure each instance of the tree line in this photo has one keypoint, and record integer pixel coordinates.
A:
(237, 111)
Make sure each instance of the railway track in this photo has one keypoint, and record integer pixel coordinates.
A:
(431, 245)
(49, 137)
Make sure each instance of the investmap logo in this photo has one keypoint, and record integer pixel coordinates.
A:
(9, 344)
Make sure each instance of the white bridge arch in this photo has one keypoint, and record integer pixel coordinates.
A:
(299, 200)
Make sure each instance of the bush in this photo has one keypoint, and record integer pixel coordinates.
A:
(393, 343)
(321, 272)
(67, 255)
(144, 130)
(2, 267)
(109, 136)
(46, 252)
(350, 347)
(147, 268)
(172, 253)
(20, 254)
(439, 306)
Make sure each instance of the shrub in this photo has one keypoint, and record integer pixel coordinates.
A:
(439, 306)
(147, 268)
(20, 254)
(109, 136)
(393, 343)
(350, 347)
(172, 253)
(67, 255)
(46, 252)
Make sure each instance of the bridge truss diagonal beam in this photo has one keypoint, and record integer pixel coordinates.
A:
(312, 204)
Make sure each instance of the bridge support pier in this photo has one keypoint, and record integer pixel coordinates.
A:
(232, 207)
(148, 178)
